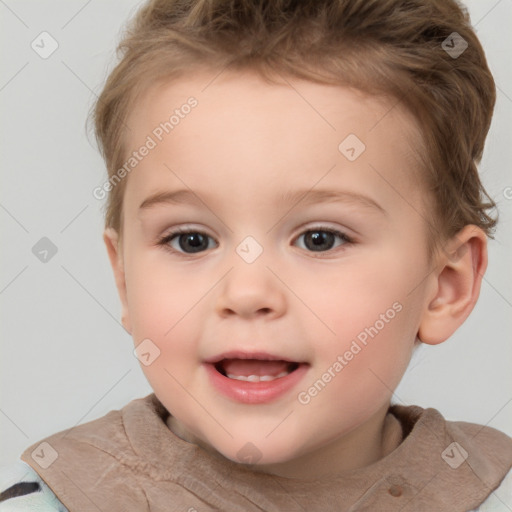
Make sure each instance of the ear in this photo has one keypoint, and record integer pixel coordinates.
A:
(111, 239)
(455, 284)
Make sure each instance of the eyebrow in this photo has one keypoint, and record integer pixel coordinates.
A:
(304, 197)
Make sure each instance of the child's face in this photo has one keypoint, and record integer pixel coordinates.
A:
(349, 311)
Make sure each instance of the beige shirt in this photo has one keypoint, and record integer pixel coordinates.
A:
(129, 460)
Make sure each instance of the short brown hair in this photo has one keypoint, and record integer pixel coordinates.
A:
(385, 47)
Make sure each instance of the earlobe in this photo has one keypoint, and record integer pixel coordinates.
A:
(455, 285)
(111, 239)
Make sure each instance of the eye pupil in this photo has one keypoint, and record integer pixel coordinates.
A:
(319, 239)
(195, 240)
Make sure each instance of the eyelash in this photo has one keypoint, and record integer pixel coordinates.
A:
(164, 241)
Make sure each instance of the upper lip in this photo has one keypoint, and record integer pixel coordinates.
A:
(240, 354)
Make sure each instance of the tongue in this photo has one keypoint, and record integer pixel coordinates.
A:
(246, 367)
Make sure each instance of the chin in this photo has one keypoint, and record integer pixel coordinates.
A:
(254, 454)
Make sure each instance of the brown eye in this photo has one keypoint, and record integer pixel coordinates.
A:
(188, 242)
(323, 239)
(194, 241)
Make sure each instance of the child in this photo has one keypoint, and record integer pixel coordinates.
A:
(320, 158)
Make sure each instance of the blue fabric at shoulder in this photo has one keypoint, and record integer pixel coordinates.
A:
(22, 489)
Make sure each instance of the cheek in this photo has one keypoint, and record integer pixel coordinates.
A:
(159, 297)
(163, 307)
(358, 371)
(373, 319)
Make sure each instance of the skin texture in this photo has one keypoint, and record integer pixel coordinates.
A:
(239, 150)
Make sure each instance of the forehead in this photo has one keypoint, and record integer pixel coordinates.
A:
(243, 129)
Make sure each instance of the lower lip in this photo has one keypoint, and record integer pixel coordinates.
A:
(255, 392)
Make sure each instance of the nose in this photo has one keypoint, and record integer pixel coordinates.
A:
(251, 291)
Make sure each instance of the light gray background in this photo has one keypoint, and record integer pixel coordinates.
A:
(65, 359)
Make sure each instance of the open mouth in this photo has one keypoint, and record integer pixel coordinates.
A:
(254, 378)
(255, 370)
